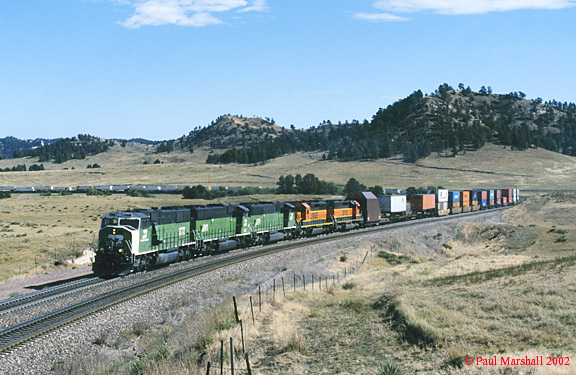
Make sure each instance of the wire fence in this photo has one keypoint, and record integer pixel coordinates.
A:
(233, 358)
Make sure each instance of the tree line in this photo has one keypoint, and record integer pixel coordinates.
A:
(22, 168)
(67, 149)
(414, 127)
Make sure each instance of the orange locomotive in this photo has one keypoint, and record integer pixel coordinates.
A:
(324, 217)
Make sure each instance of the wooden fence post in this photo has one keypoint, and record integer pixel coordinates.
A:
(363, 260)
(208, 369)
(221, 357)
(259, 298)
(248, 368)
(312, 281)
(252, 310)
(235, 309)
(283, 289)
(232, 355)
(242, 335)
(274, 291)
(294, 285)
(304, 281)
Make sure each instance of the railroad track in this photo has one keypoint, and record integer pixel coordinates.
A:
(21, 302)
(19, 334)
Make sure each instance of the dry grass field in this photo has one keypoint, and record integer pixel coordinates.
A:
(491, 166)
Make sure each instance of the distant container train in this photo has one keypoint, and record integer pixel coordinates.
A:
(137, 240)
(157, 189)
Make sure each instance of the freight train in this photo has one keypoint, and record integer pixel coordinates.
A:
(141, 239)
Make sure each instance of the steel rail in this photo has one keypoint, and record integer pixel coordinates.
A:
(44, 294)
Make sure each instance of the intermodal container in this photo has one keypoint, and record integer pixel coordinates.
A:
(441, 199)
(474, 197)
(422, 202)
(498, 199)
(392, 203)
(454, 199)
(508, 194)
(482, 195)
(465, 198)
(504, 201)
(491, 197)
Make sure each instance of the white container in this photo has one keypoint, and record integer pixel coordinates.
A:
(442, 195)
(392, 203)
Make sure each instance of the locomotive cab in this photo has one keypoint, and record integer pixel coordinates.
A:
(118, 240)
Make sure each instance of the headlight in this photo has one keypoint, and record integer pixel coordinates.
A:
(119, 250)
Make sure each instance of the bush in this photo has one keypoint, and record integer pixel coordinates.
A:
(296, 344)
(98, 192)
(348, 285)
(388, 367)
(4, 195)
(139, 194)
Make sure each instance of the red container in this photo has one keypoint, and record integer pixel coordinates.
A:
(504, 201)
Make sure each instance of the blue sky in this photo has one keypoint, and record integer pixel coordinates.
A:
(158, 68)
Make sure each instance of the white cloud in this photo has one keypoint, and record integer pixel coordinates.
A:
(196, 13)
(459, 7)
(379, 17)
(256, 6)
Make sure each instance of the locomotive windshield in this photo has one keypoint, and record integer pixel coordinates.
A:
(109, 221)
(134, 223)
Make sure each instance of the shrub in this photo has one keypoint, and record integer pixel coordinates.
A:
(348, 285)
(139, 194)
(354, 305)
(343, 258)
(296, 343)
(388, 367)
(98, 192)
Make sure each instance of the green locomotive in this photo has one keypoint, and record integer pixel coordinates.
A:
(137, 240)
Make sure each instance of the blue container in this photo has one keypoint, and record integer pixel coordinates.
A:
(491, 195)
(483, 203)
(454, 196)
(474, 195)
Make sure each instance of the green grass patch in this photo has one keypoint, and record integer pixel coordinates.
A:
(395, 259)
